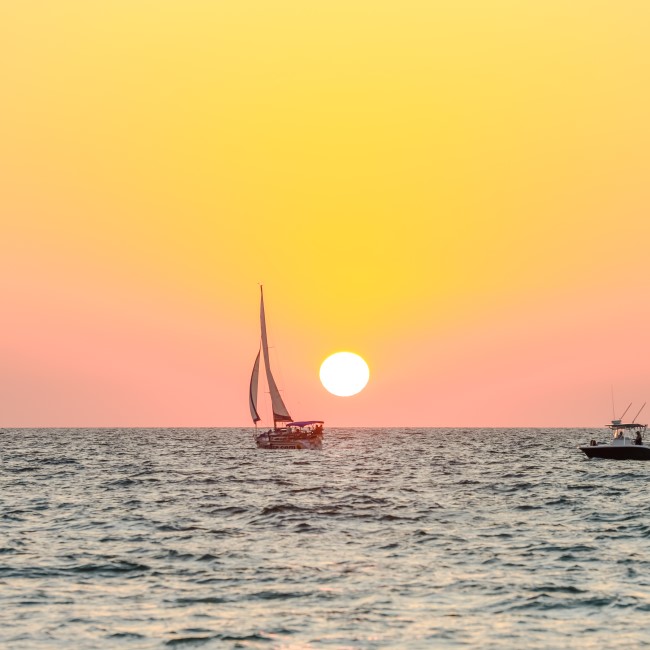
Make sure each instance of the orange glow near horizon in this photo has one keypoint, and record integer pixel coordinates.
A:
(459, 190)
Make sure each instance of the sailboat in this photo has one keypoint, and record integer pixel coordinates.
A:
(285, 434)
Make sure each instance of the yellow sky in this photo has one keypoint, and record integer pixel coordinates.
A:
(392, 171)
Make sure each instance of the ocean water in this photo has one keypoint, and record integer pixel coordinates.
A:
(388, 538)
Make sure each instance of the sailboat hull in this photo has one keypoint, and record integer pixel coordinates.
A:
(271, 440)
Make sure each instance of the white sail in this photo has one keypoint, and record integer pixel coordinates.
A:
(252, 391)
(280, 413)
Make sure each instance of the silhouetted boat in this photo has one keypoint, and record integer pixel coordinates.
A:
(626, 443)
(285, 434)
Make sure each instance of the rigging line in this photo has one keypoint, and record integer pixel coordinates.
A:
(278, 365)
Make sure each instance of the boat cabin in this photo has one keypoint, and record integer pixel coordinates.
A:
(628, 433)
(310, 426)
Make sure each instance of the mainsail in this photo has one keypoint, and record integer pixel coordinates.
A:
(280, 413)
(252, 391)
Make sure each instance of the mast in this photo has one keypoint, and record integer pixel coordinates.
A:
(280, 412)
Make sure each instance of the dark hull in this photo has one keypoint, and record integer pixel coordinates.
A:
(618, 452)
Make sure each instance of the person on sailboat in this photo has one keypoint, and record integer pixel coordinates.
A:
(639, 439)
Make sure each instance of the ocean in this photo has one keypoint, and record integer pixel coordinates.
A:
(388, 538)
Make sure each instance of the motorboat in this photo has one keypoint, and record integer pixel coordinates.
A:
(626, 442)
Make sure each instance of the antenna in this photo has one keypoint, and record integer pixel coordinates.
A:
(613, 408)
(641, 409)
(626, 410)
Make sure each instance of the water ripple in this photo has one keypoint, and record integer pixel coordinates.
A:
(388, 538)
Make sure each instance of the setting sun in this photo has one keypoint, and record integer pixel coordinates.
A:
(344, 374)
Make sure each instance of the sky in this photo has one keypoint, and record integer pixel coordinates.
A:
(455, 190)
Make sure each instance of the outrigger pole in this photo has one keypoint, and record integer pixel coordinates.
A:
(639, 413)
(625, 411)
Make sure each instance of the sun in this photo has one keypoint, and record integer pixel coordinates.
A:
(344, 374)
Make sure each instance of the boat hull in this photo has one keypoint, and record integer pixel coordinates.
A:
(617, 452)
(264, 441)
